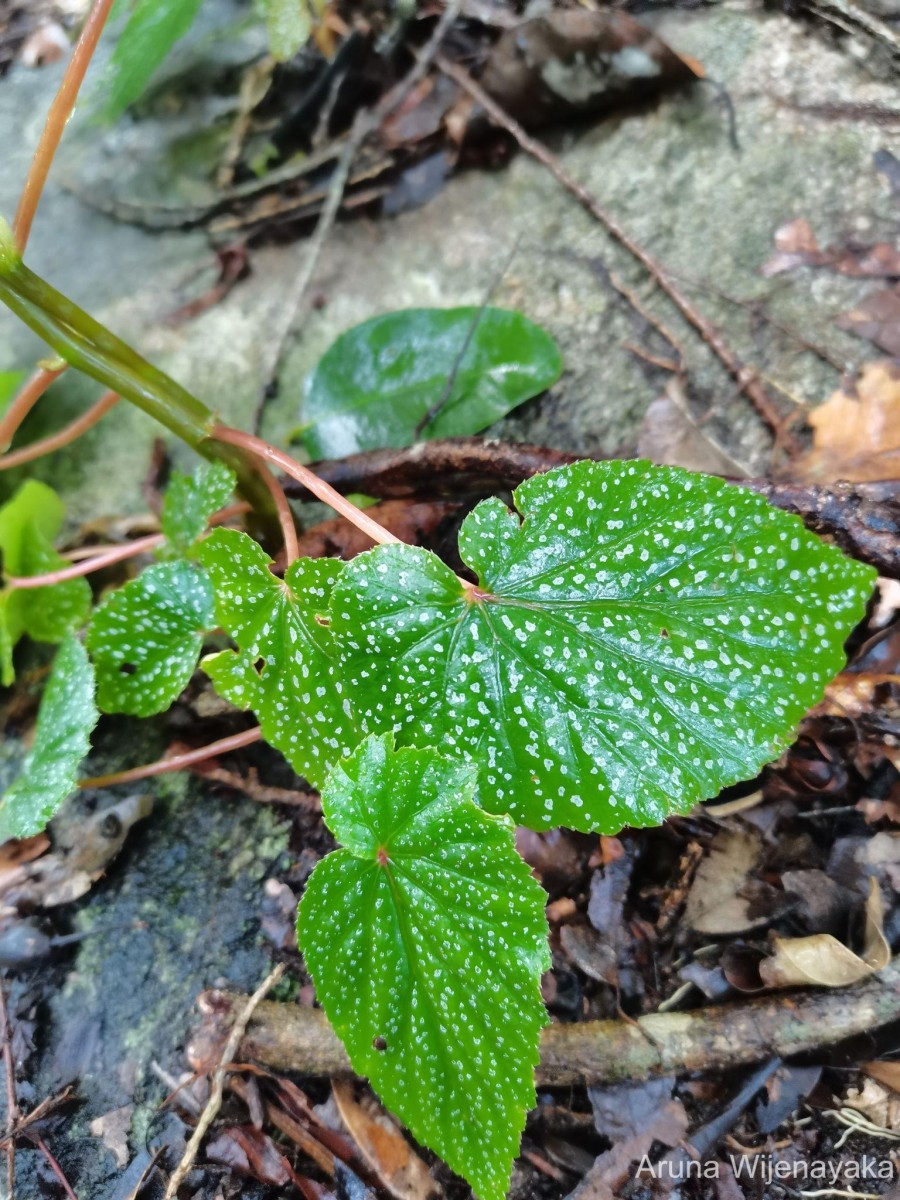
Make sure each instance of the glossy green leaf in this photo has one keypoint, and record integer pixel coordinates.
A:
(152, 29)
(379, 380)
(146, 637)
(66, 719)
(290, 24)
(641, 638)
(29, 522)
(285, 670)
(191, 500)
(426, 939)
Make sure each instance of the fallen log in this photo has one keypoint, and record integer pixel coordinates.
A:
(862, 518)
(288, 1037)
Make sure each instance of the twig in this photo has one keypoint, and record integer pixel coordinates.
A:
(25, 401)
(654, 322)
(60, 111)
(12, 1103)
(177, 762)
(746, 378)
(106, 559)
(289, 1038)
(214, 1103)
(367, 121)
(64, 437)
(438, 406)
(53, 1164)
(847, 14)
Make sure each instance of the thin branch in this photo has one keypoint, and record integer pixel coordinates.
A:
(64, 437)
(12, 1103)
(285, 1037)
(53, 1164)
(217, 1090)
(177, 762)
(60, 111)
(107, 559)
(285, 516)
(25, 401)
(746, 378)
(321, 490)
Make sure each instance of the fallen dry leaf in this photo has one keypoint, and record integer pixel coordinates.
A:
(879, 1104)
(113, 1128)
(823, 961)
(633, 1116)
(383, 1145)
(671, 437)
(724, 898)
(856, 436)
(877, 319)
(797, 246)
(886, 1071)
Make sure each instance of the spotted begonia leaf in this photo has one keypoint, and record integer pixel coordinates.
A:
(426, 938)
(66, 719)
(28, 524)
(640, 638)
(285, 669)
(145, 639)
(191, 500)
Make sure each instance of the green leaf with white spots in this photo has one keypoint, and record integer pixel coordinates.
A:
(66, 719)
(426, 938)
(29, 522)
(145, 639)
(640, 638)
(285, 669)
(191, 500)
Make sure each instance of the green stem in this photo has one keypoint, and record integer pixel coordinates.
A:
(90, 347)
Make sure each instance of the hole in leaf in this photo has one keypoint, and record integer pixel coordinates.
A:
(127, 668)
(322, 619)
(664, 633)
(259, 666)
(378, 1043)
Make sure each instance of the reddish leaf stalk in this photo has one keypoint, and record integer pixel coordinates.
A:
(25, 401)
(60, 111)
(107, 559)
(322, 490)
(177, 762)
(285, 516)
(64, 437)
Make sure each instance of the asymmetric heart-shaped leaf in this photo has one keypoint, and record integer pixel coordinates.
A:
(641, 638)
(191, 500)
(28, 524)
(145, 639)
(285, 671)
(426, 938)
(380, 380)
(66, 719)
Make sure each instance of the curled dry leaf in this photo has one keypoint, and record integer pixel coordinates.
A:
(856, 434)
(877, 319)
(383, 1146)
(823, 961)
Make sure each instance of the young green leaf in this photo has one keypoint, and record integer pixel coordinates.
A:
(66, 719)
(28, 524)
(379, 380)
(191, 500)
(285, 670)
(153, 28)
(426, 938)
(641, 639)
(10, 382)
(145, 639)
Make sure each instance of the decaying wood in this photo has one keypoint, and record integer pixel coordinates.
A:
(862, 518)
(286, 1037)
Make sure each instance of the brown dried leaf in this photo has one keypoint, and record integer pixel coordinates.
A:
(671, 437)
(250, 1152)
(113, 1128)
(796, 246)
(723, 893)
(856, 436)
(878, 1104)
(886, 1072)
(877, 319)
(383, 1145)
(823, 961)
